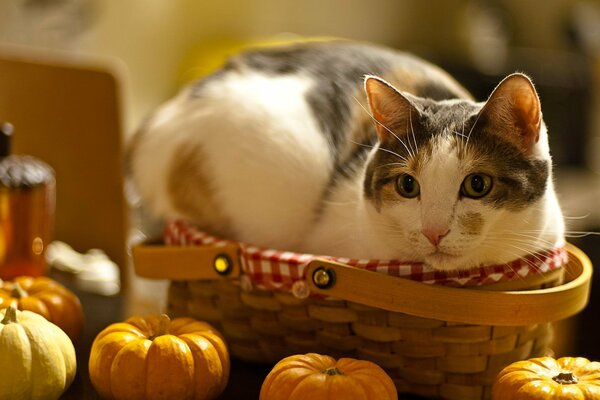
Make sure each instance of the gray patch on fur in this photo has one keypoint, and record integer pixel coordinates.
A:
(337, 69)
(520, 180)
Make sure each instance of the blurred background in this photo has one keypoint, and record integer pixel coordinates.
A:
(156, 46)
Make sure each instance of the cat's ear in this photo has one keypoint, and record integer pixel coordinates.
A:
(513, 109)
(393, 112)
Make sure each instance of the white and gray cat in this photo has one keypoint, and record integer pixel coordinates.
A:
(353, 150)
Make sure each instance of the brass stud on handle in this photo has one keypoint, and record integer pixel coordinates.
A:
(323, 278)
(222, 264)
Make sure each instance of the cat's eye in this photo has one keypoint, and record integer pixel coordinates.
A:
(476, 186)
(407, 186)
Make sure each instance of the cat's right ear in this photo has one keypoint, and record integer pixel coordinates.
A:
(513, 110)
(394, 114)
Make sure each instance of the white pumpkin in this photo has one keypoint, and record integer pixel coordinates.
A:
(37, 359)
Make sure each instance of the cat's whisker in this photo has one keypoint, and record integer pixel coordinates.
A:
(494, 247)
(457, 133)
(390, 164)
(524, 234)
(462, 132)
(530, 245)
(569, 234)
(533, 247)
(577, 217)
(516, 254)
(391, 232)
(392, 152)
(525, 242)
(379, 148)
(529, 253)
(511, 235)
(581, 235)
(471, 130)
(412, 130)
(409, 141)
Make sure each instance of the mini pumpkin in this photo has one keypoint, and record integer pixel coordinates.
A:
(156, 358)
(568, 378)
(37, 358)
(46, 297)
(319, 377)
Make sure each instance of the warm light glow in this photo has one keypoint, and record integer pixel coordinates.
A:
(37, 247)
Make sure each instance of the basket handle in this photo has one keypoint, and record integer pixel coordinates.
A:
(481, 307)
(186, 262)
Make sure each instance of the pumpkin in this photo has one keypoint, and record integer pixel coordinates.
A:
(37, 358)
(156, 358)
(572, 378)
(318, 377)
(46, 297)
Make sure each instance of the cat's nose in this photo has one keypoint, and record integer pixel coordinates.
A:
(435, 234)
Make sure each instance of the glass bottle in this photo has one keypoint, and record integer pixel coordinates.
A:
(27, 199)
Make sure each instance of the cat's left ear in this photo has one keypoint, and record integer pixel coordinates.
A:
(394, 113)
(514, 110)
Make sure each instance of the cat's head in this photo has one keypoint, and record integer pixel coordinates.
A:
(456, 183)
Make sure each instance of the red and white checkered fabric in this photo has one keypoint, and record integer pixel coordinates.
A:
(279, 270)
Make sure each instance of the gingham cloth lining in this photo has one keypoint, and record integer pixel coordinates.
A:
(280, 270)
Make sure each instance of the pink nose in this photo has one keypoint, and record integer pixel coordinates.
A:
(435, 234)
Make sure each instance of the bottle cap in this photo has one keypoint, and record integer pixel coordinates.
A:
(6, 130)
(20, 171)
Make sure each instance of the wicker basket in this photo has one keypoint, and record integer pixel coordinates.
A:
(434, 341)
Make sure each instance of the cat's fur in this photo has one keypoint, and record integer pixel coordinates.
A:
(283, 148)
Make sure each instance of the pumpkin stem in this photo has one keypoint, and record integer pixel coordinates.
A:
(333, 371)
(10, 316)
(163, 326)
(565, 378)
(18, 292)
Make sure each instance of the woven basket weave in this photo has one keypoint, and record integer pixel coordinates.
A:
(433, 341)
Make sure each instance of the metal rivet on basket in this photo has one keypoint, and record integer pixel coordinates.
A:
(300, 290)
(323, 278)
(245, 283)
(222, 264)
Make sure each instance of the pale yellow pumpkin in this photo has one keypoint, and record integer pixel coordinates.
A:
(37, 358)
(568, 378)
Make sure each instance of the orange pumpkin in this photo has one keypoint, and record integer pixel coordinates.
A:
(46, 297)
(156, 358)
(317, 377)
(568, 378)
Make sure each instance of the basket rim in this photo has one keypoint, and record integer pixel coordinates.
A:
(461, 305)
(464, 305)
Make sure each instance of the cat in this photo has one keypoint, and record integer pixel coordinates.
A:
(353, 150)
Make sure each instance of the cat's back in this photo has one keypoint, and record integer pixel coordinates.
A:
(250, 150)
